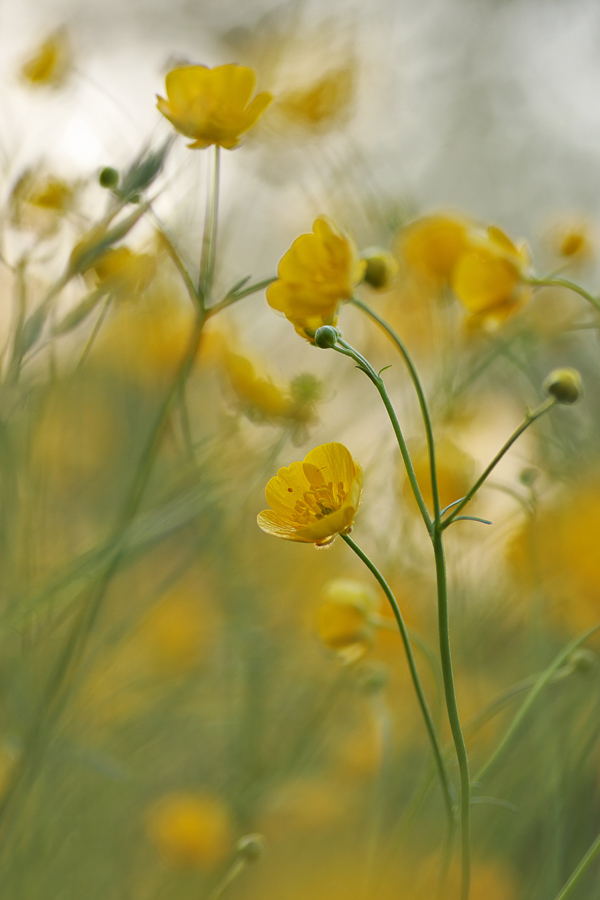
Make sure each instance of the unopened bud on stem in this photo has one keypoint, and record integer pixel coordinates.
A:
(565, 385)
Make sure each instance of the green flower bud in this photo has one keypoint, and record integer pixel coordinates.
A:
(109, 177)
(251, 847)
(373, 678)
(326, 337)
(381, 268)
(583, 661)
(565, 385)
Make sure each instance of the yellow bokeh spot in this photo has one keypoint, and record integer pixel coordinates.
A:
(190, 829)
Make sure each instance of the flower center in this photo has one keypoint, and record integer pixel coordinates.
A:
(319, 502)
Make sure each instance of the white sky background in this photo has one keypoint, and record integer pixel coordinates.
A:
(491, 107)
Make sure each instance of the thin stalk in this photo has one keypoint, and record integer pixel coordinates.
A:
(209, 237)
(566, 283)
(95, 332)
(543, 679)
(234, 296)
(347, 350)
(414, 377)
(235, 870)
(427, 718)
(530, 418)
(59, 683)
(580, 871)
(453, 716)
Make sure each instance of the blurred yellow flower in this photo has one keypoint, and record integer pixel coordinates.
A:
(315, 500)
(455, 470)
(559, 550)
(323, 103)
(256, 391)
(343, 617)
(190, 829)
(432, 245)
(212, 106)
(317, 273)
(487, 277)
(38, 200)
(50, 63)
(573, 239)
(177, 630)
(121, 271)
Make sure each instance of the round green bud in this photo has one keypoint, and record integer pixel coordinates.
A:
(326, 337)
(529, 476)
(583, 661)
(109, 177)
(381, 268)
(251, 847)
(373, 678)
(564, 384)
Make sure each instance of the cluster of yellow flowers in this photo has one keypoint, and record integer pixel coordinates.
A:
(483, 267)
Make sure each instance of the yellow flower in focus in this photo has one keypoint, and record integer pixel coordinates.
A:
(50, 64)
(487, 277)
(343, 617)
(323, 103)
(315, 500)
(121, 271)
(190, 829)
(454, 468)
(317, 273)
(212, 106)
(432, 245)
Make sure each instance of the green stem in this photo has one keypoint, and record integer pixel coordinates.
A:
(544, 678)
(59, 683)
(414, 377)
(453, 716)
(209, 237)
(566, 283)
(580, 871)
(230, 876)
(234, 296)
(529, 420)
(345, 348)
(431, 731)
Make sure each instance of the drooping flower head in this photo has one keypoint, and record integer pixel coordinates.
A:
(212, 106)
(314, 500)
(317, 273)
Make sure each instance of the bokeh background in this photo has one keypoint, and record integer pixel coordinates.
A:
(232, 685)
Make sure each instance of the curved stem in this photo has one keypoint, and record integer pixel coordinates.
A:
(580, 871)
(209, 237)
(347, 350)
(529, 420)
(431, 731)
(546, 676)
(453, 716)
(566, 283)
(414, 377)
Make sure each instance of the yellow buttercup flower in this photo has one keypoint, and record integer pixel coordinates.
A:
(432, 245)
(212, 106)
(121, 271)
(50, 63)
(317, 273)
(488, 277)
(190, 829)
(315, 500)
